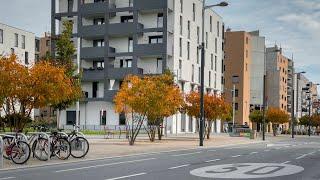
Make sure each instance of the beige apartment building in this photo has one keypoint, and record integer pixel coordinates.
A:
(277, 76)
(237, 73)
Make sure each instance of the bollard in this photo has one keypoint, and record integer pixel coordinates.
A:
(1, 153)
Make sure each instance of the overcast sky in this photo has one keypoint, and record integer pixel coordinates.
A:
(293, 24)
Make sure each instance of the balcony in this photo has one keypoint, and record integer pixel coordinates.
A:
(93, 9)
(94, 52)
(124, 29)
(110, 94)
(121, 73)
(92, 31)
(150, 49)
(150, 4)
(92, 74)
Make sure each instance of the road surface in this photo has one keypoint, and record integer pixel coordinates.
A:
(297, 159)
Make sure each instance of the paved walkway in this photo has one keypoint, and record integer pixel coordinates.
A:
(104, 148)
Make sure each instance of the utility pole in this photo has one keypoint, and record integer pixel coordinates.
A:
(264, 109)
(233, 105)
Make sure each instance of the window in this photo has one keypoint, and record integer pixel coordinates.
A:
(215, 80)
(210, 23)
(216, 45)
(188, 50)
(247, 40)
(70, 5)
(98, 65)
(236, 106)
(181, 24)
(71, 117)
(181, 6)
(125, 19)
(215, 63)
(95, 89)
(130, 3)
(23, 42)
(16, 40)
(199, 74)
(47, 42)
(180, 47)
(209, 78)
(98, 43)
(211, 61)
(155, 39)
(1, 36)
(198, 56)
(129, 63)
(235, 79)
(160, 20)
(122, 118)
(218, 28)
(246, 66)
(188, 29)
(192, 74)
(103, 117)
(26, 58)
(180, 64)
(194, 11)
(206, 39)
(246, 53)
(130, 44)
(198, 34)
(125, 63)
(236, 93)
(98, 21)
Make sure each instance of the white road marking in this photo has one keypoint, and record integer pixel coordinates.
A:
(102, 165)
(176, 167)
(254, 153)
(236, 156)
(176, 155)
(267, 150)
(229, 148)
(286, 162)
(304, 155)
(213, 160)
(212, 150)
(7, 178)
(123, 177)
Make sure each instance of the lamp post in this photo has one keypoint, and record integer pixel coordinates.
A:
(292, 102)
(204, 7)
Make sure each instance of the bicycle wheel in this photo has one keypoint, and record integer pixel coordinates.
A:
(61, 148)
(79, 147)
(20, 153)
(6, 143)
(40, 149)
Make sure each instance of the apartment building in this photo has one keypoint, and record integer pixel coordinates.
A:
(37, 49)
(19, 42)
(301, 100)
(45, 45)
(291, 84)
(238, 60)
(116, 38)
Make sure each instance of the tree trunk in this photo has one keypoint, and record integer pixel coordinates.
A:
(160, 133)
(209, 128)
(274, 127)
(58, 118)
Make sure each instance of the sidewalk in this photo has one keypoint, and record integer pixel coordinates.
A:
(104, 148)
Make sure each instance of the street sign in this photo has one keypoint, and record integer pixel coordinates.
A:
(247, 170)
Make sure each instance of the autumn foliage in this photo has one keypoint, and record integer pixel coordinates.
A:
(22, 89)
(276, 116)
(147, 101)
(215, 108)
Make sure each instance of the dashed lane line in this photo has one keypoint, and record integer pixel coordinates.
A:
(285, 162)
(177, 155)
(128, 176)
(253, 153)
(176, 167)
(236, 156)
(213, 160)
(7, 178)
(304, 155)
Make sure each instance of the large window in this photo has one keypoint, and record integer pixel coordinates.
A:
(194, 12)
(199, 75)
(98, 21)
(218, 28)
(16, 40)
(155, 39)
(122, 118)
(215, 45)
(1, 36)
(160, 20)
(181, 24)
(215, 63)
(188, 50)
(209, 78)
(181, 6)
(189, 29)
(130, 45)
(192, 74)
(95, 89)
(71, 117)
(180, 47)
(70, 5)
(198, 34)
(23, 42)
(210, 23)
(98, 43)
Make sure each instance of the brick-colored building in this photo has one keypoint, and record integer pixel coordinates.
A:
(237, 72)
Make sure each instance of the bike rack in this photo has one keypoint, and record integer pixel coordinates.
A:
(19, 134)
(49, 141)
(81, 134)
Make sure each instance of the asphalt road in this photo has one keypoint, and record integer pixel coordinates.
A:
(297, 159)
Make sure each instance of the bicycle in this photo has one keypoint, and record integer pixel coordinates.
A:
(79, 144)
(39, 142)
(16, 150)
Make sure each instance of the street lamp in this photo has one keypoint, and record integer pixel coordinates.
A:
(204, 7)
(292, 103)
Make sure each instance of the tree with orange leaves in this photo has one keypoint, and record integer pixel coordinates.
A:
(214, 108)
(276, 116)
(23, 89)
(149, 99)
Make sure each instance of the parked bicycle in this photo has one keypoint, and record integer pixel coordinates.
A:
(15, 149)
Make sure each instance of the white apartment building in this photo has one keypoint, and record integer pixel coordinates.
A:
(143, 37)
